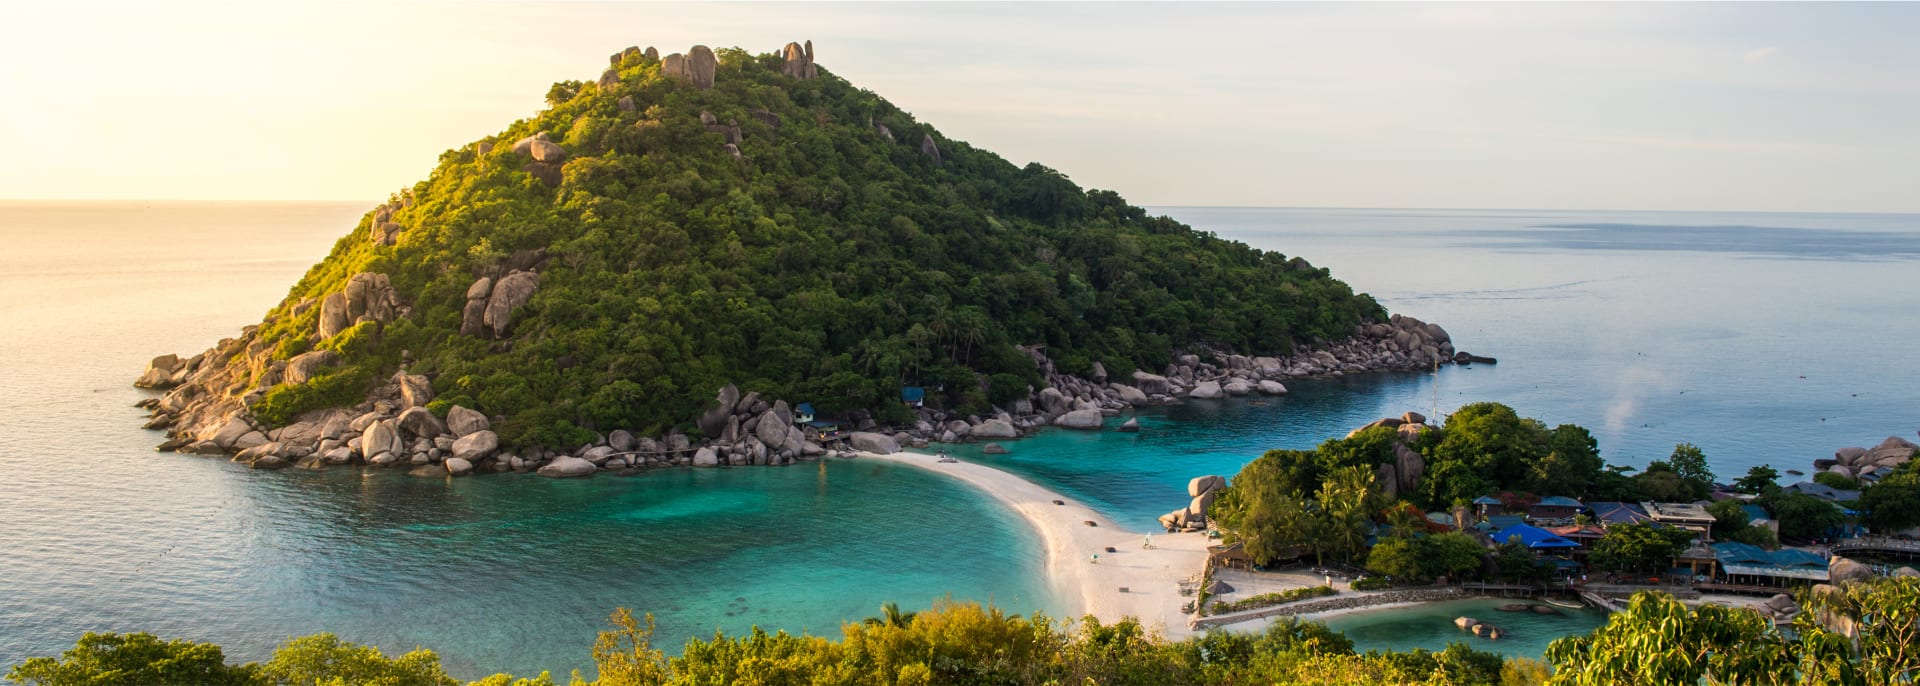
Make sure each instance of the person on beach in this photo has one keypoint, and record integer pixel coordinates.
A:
(1148, 544)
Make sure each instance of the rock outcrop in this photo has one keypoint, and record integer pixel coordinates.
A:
(876, 443)
(490, 304)
(1085, 420)
(797, 61)
(368, 296)
(929, 148)
(696, 67)
(1193, 517)
(1869, 463)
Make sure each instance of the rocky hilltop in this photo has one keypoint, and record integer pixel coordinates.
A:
(566, 296)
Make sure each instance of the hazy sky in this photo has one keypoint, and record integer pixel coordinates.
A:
(1634, 106)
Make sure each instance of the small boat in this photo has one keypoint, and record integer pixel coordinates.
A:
(1564, 604)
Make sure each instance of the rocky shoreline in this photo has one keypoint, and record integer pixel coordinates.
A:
(207, 407)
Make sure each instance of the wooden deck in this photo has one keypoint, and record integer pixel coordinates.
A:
(1876, 545)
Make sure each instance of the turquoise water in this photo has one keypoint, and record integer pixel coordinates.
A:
(1773, 345)
(1430, 626)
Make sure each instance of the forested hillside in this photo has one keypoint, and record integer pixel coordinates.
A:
(687, 222)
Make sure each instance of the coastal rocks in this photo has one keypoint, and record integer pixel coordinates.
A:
(1128, 394)
(1206, 390)
(1080, 419)
(696, 67)
(458, 466)
(714, 422)
(1193, 517)
(368, 296)
(1151, 384)
(867, 441)
(160, 372)
(1132, 425)
(1271, 387)
(380, 438)
(1237, 388)
(995, 428)
(797, 61)
(415, 390)
(303, 367)
(994, 449)
(1052, 401)
(475, 446)
(565, 467)
(462, 422)
(1869, 463)
(419, 422)
(705, 457)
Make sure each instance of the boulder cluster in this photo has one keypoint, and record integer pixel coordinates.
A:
(746, 429)
(545, 157)
(797, 61)
(381, 227)
(1402, 475)
(1193, 517)
(208, 409)
(491, 302)
(696, 67)
(1869, 463)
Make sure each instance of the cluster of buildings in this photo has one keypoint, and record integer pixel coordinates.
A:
(1564, 531)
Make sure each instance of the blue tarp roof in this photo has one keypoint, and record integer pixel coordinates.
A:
(1559, 501)
(1506, 521)
(1755, 513)
(1487, 500)
(1533, 537)
(804, 408)
(1740, 558)
(913, 394)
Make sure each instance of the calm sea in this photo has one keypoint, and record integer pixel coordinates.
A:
(1763, 338)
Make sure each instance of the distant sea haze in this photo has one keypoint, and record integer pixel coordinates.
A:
(1763, 338)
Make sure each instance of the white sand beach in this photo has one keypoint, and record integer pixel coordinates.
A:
(1150, 577)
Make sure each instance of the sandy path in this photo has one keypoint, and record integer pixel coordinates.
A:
(1150, 576)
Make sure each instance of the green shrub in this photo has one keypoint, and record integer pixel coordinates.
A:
(1372, 583)
(1270, 599)
(285, 402)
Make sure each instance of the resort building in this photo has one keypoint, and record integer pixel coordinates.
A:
(1745, 565)
(1554, 508)
(1690, 516)
(1611, 513)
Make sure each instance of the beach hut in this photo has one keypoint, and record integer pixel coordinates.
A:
(1584, 534)
(913, 396)
(803, 413)
(1487, 506)
(1690, 516)
(1747, 565)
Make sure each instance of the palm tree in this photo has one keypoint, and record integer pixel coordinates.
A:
(890, 615)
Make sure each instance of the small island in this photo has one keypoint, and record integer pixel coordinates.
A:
(716, 258)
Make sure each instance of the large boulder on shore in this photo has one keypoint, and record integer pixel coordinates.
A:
(1128, 394)
(1150, 384)
(420, 422)
(995, 428)
(1132, 425)
(564, 467)
(1080, 419)
(305, 366)
(876, 443)
(705, 457)
(458, 467)
(380, 437)
(1206, 390)
(463, 422)
(715, 420)
(1271, 387)
(1842, 569)
(159, 372)
(474, 446)
(1205, 484)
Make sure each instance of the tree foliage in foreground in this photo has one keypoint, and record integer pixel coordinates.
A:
(1860, 634)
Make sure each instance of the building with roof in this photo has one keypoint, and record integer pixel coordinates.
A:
(1610, 513)
(1690, 516)
(1555, 508)
(1487, 505)
(1824, 492)
(1739, 563)
(1533, 537)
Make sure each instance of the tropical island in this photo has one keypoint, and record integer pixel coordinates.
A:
(570, 293)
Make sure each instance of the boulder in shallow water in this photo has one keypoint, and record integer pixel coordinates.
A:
(1080, 419)
(1132, 425)
(994, 449)
(705, 457)
(458, 467)
(1206, 390)
(565, 467)
(1271, 387)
